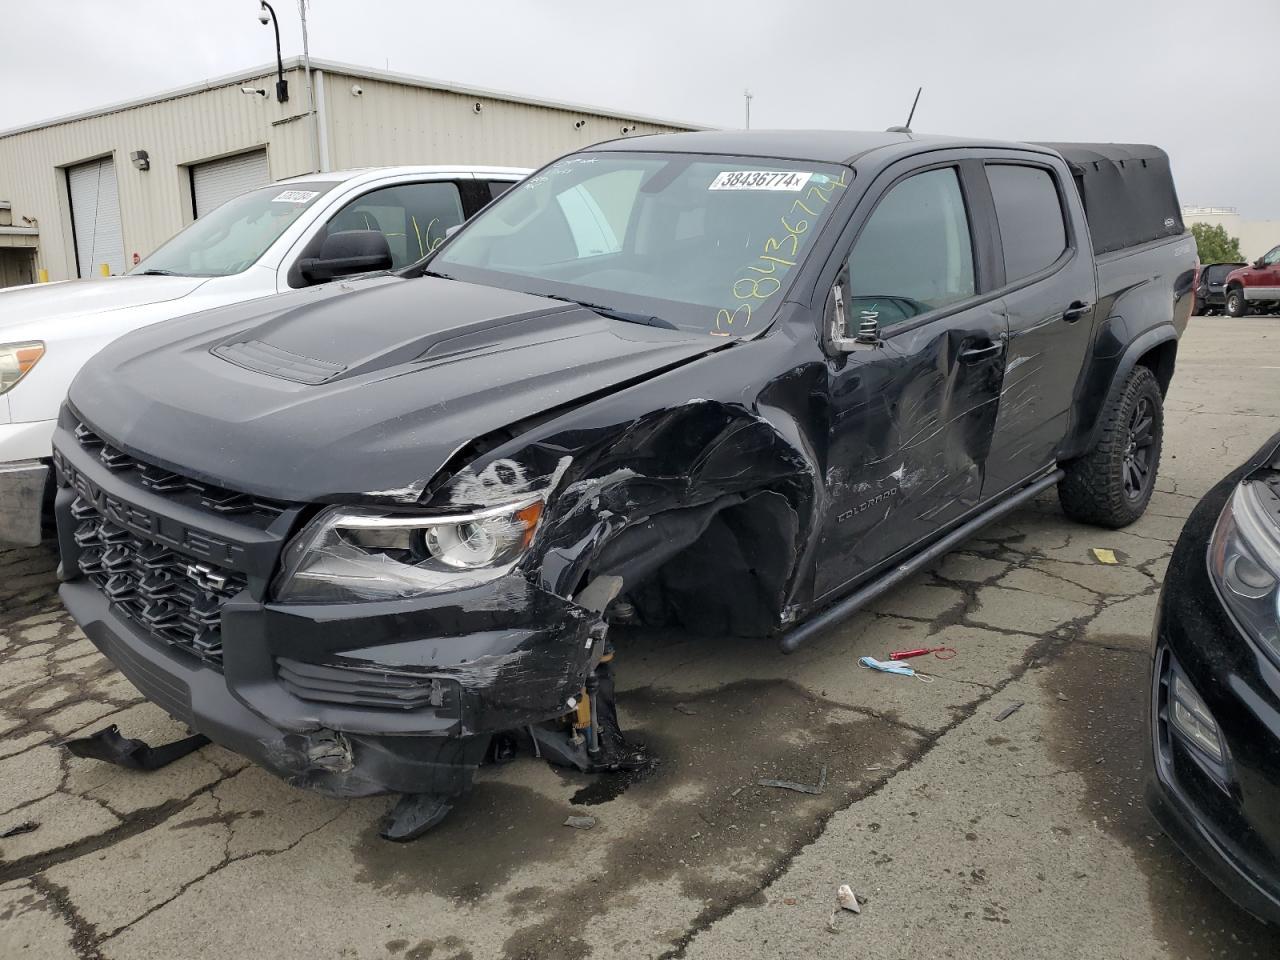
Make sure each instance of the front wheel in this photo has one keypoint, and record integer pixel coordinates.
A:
(1237, 305)
(1111, 485)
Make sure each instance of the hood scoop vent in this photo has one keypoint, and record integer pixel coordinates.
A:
(274, 362)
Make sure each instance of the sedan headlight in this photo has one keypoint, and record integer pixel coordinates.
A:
(16, 361)
(1244, 561)
(348, 554)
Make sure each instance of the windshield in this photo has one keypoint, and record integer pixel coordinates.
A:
(232, 237)
(702, 243)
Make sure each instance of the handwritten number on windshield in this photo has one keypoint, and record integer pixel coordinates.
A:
(751, 290)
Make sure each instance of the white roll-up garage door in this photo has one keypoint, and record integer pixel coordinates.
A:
(216, 182)
(95, 217)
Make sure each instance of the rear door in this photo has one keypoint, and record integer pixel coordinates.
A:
(1049, 289)
(910, 421)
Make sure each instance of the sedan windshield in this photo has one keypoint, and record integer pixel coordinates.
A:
(232, 237)
(702, 243)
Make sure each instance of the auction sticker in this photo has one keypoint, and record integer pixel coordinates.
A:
(760, 180)
(295, 196)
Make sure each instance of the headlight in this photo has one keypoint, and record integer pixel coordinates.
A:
(1244, 561)
(364, 554)
(16, 360)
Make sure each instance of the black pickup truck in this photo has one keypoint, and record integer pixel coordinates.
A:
(736, 381)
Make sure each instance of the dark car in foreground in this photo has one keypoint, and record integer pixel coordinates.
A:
(1214, 718)
(739, 381)
(1211, 287)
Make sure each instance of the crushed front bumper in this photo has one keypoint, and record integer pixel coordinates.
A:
(1224, 816)
(347, 699)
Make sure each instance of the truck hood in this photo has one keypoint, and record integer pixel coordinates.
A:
(357, 389)
(75, 298)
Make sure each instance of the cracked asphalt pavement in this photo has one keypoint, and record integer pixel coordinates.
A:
(964, 836)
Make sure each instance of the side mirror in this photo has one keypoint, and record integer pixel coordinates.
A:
(347, 252)
(842, 339)
(1259, 264)
(450, 231)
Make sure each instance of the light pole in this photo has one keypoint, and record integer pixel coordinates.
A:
(746, 95)
(311, 94)
(267, 14)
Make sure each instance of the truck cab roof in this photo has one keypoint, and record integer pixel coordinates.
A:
(826, 146)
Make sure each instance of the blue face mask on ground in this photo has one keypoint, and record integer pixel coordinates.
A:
(892, 666)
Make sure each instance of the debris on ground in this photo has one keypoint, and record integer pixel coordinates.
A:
(687, 710)
(798, 787)
(26, 826)
(1062, 696)
(940, 653)
(846, 899)
(1009, 711)
(580, 823)
(1102, 555)
(893, 666)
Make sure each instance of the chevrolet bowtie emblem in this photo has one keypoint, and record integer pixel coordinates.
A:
(206, 577)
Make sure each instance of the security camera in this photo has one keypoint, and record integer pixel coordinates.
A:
(250, 91)
(579, 124)
(626, 130)
(477, 107)
(357, 90)
(263, 17)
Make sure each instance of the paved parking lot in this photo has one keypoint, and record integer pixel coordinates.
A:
(966, 837)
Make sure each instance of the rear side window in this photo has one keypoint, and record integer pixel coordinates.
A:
(914, 255)
(1030, 215)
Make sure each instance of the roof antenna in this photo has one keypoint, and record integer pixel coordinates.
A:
(907, 127)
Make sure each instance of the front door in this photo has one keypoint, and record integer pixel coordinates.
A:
(911, 420)
(1049, 290)
(1265, 284)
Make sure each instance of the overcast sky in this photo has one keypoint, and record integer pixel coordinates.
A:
(1177, 73)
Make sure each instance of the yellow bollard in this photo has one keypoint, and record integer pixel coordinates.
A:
(105, 269)
(43, 275)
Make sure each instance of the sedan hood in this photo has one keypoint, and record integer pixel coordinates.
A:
(74, 298)
(355, 388)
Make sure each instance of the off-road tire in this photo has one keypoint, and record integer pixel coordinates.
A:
(1236, 305)
(1111, 485)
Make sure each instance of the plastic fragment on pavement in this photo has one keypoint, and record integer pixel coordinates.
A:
(1009, 711)
(1102, 555)
(847, 899)
(580, 823)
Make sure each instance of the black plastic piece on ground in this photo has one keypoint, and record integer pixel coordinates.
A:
(108, 746)
(413, 815)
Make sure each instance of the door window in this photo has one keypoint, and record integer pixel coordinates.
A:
(915, 253)
(1029, 212)
(412, 216)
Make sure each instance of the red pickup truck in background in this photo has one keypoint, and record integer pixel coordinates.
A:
(1255, 287)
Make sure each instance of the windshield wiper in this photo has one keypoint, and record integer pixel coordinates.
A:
(156, 273)
(436, 273)
(612, 313)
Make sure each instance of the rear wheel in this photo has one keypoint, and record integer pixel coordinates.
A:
(1197, 307)
(1237, 305)
(1111, 485)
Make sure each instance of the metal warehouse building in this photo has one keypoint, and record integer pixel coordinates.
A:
(97, 188)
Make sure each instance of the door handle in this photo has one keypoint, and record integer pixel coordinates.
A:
(974, 354)
(1077, 310)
